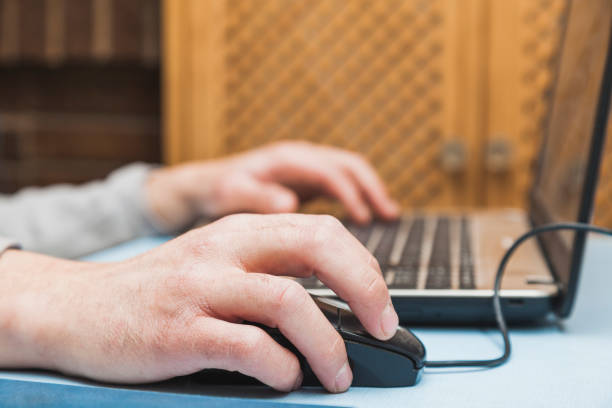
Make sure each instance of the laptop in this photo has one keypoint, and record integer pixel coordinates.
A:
(440, 268)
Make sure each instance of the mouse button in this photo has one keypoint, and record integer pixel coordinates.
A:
(329, 310)
(330, 303)
(350, 323)
(375, 367)
(407, 343)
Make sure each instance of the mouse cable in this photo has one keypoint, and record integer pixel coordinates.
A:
(499, 316)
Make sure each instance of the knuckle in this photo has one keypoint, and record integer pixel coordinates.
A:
(326, 229)
(192, 237)
(373, 262)
(336, 350)
(280, 145)
(232, 222)
(293, 369)
(243, 348)
(329, 224)
(264, 281)
(197, 244)
(296, 143)
(290, 296)
(365, 167)
(360, 158)
(236, 219)
(374, 287)
(288, 146)
(286, 376)
(223, 191)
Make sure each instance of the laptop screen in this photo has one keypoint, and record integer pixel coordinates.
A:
(569, 161)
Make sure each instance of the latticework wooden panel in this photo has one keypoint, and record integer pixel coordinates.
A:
(398, 80)
(525, 45)
(540, 41)
(363, 75)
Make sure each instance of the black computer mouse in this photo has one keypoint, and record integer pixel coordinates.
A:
(397, 362)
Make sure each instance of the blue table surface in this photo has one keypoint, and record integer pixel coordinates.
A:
(561, 364)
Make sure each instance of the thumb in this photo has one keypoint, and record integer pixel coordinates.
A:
(250, 194)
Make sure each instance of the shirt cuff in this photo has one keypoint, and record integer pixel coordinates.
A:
(131, 182)
(7, 243)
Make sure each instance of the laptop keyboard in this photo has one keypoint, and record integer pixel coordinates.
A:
(383, 249)
(399, 249)
(405, 274)
(438, 268)
(466, 264)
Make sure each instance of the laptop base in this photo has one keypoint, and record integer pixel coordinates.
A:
(469, 310)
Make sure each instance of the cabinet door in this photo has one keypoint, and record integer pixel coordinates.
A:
(401, 81)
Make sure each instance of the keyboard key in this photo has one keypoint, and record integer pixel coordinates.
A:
(405, 277)
(466, 264)
(411, 254)
(383, 250)
(438, 269)
(407, 271)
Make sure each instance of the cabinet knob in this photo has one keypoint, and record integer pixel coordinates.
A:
(498, 156)
(453, 156)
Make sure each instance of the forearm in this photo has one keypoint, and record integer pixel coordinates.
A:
(70, 221)
(28, 319)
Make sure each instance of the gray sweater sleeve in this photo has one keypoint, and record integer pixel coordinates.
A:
(71, 221)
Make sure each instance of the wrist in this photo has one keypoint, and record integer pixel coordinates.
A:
(178, 195)
(168, 198)
(28, 312)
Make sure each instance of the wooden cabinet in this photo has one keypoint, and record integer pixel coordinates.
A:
(446, 97)
(79, 86)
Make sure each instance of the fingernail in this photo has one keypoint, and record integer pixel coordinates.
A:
(298, 381)
(344, 378)
(389, 321)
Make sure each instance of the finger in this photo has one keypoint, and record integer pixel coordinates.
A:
(344, 189)
(328, 177)
(370, 184)
(248, 350)
(246, 193)
(284, 303)
(297, 244)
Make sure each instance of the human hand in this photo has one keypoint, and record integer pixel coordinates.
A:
(175, 310)
(270, 179)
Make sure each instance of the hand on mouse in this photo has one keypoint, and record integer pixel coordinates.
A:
(176, 309)
(271, 179)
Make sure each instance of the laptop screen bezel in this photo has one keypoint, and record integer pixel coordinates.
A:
(551, 244)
